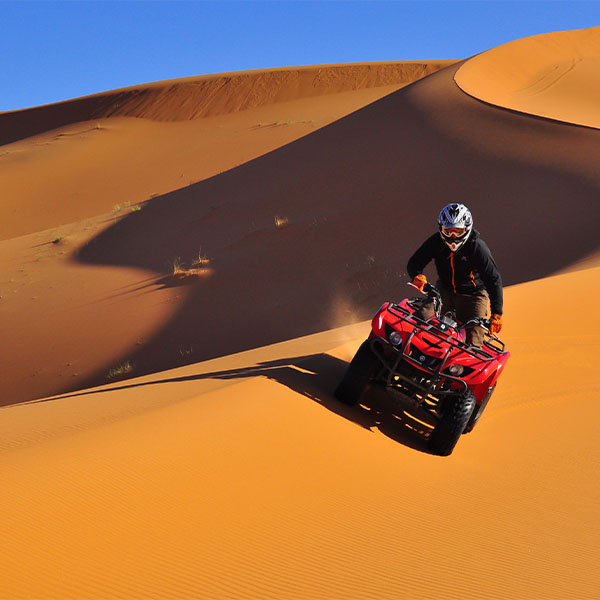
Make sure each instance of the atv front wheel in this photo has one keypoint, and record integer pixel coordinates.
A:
(479, 410)
(361, 369)
(455, 416)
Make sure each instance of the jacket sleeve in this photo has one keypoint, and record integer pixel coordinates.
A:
(491, 277)
(420, 259)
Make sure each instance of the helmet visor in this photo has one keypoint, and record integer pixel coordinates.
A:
(453, 232)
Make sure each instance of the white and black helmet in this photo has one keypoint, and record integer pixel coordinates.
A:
(455, 223)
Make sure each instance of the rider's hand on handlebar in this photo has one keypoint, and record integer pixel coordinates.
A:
(495, 323)
(420, 281)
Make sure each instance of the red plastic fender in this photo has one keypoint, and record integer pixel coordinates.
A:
(479, 391)
(378, 320)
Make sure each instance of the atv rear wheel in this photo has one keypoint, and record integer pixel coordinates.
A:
(455, 416)
(360, 371)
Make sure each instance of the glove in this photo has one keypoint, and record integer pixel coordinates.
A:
(419, 282)
(495, 324)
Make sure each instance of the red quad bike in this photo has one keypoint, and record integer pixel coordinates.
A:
(428, 367)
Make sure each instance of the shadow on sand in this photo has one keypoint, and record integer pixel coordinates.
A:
(314, 376)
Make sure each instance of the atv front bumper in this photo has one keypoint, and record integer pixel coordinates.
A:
(408, 373)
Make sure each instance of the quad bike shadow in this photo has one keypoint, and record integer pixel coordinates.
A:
(394, 420)
(315, 376)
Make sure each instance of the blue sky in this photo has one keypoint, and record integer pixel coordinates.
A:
(52, 51)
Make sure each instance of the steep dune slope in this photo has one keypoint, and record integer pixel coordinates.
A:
(358, 196)
(209, 95)
(95, 167)
(555, 75)
(90, 154)
(243, 478)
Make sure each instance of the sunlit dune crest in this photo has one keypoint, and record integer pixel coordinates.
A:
(210, 95)
(186, 269)
(556, 75)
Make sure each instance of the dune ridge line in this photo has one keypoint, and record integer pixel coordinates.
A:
(554, 75)
(209, 95)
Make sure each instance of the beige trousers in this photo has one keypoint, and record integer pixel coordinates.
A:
(466, 307)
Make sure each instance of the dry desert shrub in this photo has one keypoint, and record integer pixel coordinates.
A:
(202, 261)
(122, 369)
(178, 267)
(198, 269)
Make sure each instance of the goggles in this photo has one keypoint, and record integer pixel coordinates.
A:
(453, 232)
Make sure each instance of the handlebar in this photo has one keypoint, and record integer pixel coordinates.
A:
(432, 292)
(481, 321)
(428, 290)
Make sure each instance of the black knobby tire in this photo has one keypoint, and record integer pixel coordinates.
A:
(361, 369)
(454, 419)
(479, 410)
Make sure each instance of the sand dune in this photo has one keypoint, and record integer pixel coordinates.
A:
(145, 160)
(209, 95)
(216, 463)
(556, 75)
(159, 137)
(376, 177)
(242, 477)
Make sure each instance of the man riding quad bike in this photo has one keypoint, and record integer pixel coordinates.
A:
(468, 277)
(429, 366)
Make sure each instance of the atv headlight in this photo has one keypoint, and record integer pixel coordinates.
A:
(456, 370)
(395, 338)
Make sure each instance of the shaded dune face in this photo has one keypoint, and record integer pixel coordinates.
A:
(210, 95)
(359, 196)
(87, 155)
(71, 174)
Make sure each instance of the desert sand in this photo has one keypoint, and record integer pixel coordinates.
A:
(556, 75)
(174, 435)
(242, 477)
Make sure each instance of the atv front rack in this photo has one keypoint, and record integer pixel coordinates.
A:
(427, 387)
(492, 342)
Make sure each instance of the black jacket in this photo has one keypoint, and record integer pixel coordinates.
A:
(469, 269)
